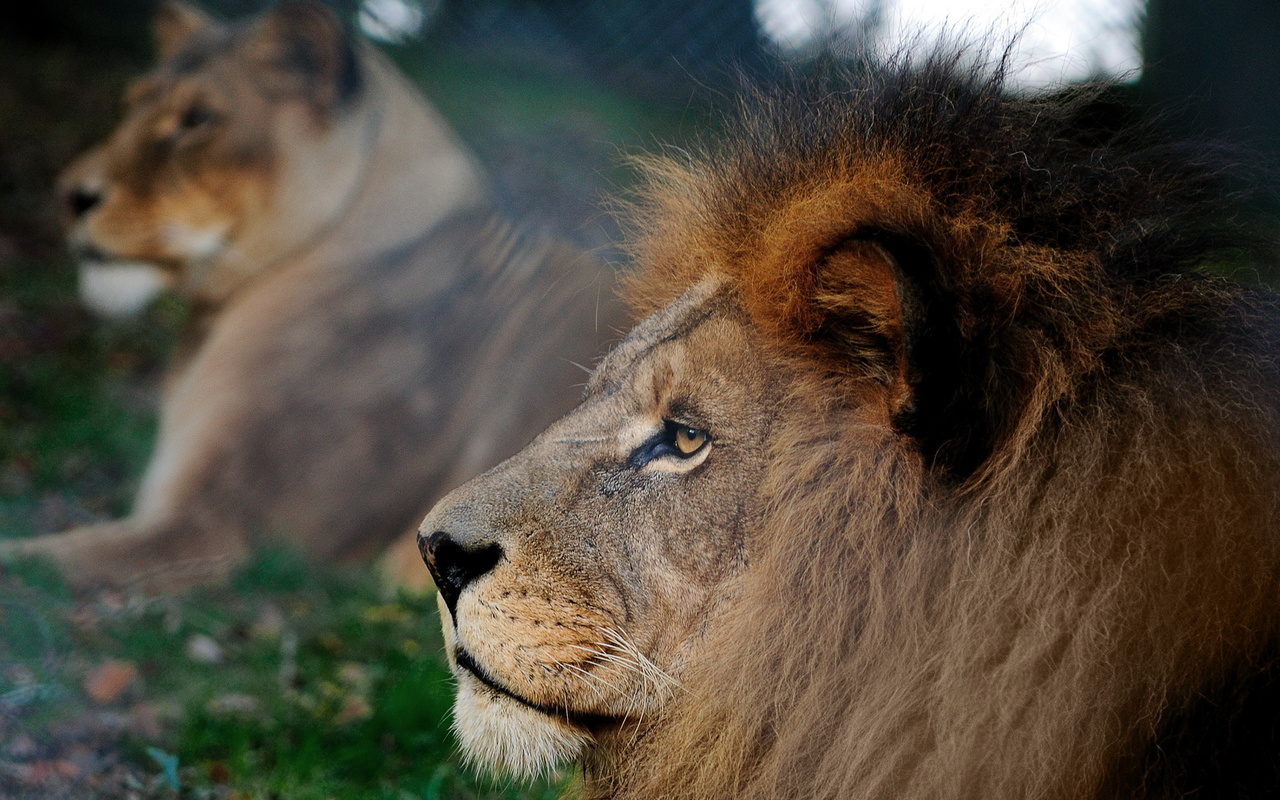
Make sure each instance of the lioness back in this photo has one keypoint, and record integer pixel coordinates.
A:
(355, 393)
(936, 466)
(368, 331)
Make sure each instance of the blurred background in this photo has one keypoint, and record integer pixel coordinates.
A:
(298, 681)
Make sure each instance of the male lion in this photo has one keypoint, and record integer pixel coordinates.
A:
(368, 334)
(935, 469)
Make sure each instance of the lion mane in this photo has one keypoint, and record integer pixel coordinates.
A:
(1067, 583)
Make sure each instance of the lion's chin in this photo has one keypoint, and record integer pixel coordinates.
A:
(501, 735)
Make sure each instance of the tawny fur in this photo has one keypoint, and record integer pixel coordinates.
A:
(987, 502)
(1051, 615)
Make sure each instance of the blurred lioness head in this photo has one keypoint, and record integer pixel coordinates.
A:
(237, 150)
(369, 331)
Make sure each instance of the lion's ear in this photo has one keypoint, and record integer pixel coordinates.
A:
(941, 378)
(173, 24)
(306, 53)
(877, 304)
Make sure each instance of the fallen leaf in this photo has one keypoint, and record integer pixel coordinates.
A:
(354, 709)
(218, 772)
(107, 681)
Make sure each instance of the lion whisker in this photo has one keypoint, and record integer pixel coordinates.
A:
(588, 674)
(637, 703)
(659, 676)
(581, 673)
(644, 669)
(630, 664)
(573, 668)
(636, 698)
(585, 369)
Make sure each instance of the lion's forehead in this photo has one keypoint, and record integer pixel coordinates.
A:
(205, 47)
(700, 303)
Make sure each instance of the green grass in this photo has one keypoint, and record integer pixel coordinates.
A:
(310, 684)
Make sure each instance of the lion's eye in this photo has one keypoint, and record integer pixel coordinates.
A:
(676, 443)
(689, 440)
(196, 116)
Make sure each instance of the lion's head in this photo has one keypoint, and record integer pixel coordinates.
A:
(241, 147)
(592, 619)
(934, 469)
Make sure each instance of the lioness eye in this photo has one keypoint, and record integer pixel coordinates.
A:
(194, 117)
(690, 440)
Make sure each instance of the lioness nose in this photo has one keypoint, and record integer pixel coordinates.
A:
(454, 565)
(81, 200)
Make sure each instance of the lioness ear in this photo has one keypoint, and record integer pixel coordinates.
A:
(305, 53)
(173, 24)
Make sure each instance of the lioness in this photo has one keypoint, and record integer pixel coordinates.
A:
(368, 331)
(935, 468)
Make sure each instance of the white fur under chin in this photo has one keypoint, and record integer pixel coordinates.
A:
(501, 735)
(120, 289)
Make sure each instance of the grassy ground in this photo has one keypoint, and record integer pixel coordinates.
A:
(292, 682)
(295, 681)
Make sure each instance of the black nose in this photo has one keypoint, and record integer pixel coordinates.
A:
(454, 565)
(81, 201)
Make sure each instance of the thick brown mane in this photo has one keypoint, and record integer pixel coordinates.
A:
(1057, 573)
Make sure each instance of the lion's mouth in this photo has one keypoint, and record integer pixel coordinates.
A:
(468, 664)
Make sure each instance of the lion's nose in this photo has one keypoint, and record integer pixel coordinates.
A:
(454, 565)
(80, 200)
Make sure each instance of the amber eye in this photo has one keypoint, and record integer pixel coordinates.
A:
(689, 440)
(196, 116)
(675, 444)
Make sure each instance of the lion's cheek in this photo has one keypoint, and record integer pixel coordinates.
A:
(501, 735)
